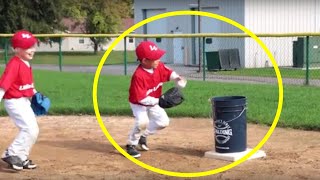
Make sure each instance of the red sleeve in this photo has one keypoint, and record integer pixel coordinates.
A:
(165, 72)
(137, 89)
(9, 76)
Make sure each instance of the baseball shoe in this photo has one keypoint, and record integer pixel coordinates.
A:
(14, 162)
(143, 143)
(27, 164)
(131, 149)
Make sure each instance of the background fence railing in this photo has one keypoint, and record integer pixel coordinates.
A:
(234, 57)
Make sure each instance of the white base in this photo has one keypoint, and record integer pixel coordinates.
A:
(234, 156)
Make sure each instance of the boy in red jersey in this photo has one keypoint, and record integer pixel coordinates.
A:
(145, 90)
(16, 88)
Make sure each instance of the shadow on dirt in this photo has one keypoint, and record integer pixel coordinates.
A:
(187, 151)
(81, 144)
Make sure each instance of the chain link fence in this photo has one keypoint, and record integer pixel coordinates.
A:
(208, 57)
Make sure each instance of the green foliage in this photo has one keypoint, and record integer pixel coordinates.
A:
(130, 4)
(42, 17)
(98, 16)
(36, 16)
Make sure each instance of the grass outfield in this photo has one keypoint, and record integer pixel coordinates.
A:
(117, 57)
(269, 72)
(70, 93)
(80, 58)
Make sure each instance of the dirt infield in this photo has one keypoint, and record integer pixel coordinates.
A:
(74, 147)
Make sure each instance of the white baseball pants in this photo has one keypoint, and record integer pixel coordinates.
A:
(148, 120)
(23, 116)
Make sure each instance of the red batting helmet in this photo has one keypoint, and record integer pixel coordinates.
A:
(149, 50)
(23, 39)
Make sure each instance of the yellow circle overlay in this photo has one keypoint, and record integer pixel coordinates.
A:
(189, 174)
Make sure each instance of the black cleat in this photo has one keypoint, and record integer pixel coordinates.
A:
(27, 164)
(131, 149)
(143, 143)
(14, 162)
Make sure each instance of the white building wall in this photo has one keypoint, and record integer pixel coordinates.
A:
(278, 16)
(78, 44)
(130, 44)
(259, 16)
(54, 47)
(232, 9)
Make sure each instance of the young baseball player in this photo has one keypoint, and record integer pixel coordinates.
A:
(145, 90)
(16, 88)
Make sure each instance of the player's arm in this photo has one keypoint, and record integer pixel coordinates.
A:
(174, 76)
(8, 77)
(180, 81)
(168, 74)
(2, 91)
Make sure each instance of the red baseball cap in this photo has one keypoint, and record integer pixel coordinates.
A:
(149, 50)
(23, 39)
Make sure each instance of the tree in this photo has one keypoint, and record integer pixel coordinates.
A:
(37, 16)
(98, 16)
(130, 5)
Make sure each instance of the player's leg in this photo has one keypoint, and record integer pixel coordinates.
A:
(22, 114)
(140, 125)
(158, 120)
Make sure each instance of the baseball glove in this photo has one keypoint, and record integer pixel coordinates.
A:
(171, 98)
(40, 104)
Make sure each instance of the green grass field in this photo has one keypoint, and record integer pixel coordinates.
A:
(269, 72)
(117, 57)
(80, 58)
(70, 93)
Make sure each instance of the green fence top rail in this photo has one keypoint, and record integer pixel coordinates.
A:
(175, 35)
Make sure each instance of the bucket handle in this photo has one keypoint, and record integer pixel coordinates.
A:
(237, 116)
(245, 108)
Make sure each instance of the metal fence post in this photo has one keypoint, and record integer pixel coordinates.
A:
(204, 58)
(6, 50)
(60, 54)
(307, 61)
(125, 55)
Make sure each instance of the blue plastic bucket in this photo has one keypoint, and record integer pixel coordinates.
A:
(230, 126)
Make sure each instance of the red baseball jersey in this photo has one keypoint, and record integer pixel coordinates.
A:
(145, 84)
(17, 79)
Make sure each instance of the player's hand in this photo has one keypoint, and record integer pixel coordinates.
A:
(180, 82)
